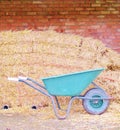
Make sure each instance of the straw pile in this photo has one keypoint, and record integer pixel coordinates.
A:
(40, 54)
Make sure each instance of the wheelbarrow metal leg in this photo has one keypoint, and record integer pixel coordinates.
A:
(58, 105)
(68, 108)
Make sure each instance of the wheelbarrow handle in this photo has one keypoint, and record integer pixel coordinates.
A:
(13, 79)
(17, 79)
(22, 78)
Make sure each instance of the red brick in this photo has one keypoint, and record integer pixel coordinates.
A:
(89, 9)
(116, 4)
(101, 9)
(94, 12)
(84, 12)
(79, 9)
(111, 9)
(31, 13)
(96, 5)
(100, 1)
(10, 13)
(105, 12)
(115, 12)
(37, 2)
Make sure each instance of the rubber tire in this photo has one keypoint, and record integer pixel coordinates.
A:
(87, 105)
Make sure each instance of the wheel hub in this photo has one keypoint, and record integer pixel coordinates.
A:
(96, 103)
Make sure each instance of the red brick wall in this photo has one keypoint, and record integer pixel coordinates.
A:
(96, 18)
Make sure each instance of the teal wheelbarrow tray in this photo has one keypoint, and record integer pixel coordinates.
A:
(95, 100)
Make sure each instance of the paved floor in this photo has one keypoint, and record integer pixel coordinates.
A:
(76, 121)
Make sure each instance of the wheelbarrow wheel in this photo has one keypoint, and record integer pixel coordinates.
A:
(93, 105)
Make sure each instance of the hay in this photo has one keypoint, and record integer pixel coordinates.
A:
(46, 53)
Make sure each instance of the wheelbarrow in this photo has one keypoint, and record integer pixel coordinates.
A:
(95, 101)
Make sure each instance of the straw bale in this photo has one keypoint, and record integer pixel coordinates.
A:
(6, 49)
(39, 54)
(15, 48)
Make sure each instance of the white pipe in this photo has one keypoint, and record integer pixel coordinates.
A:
(13, 79)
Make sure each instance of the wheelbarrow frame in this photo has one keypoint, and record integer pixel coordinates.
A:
(55, 103)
